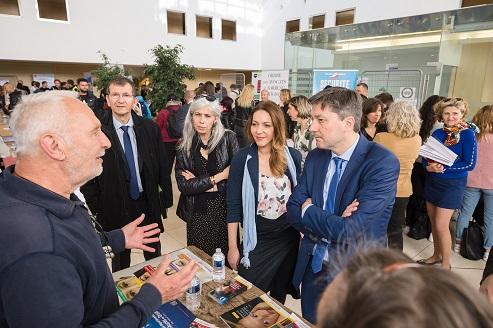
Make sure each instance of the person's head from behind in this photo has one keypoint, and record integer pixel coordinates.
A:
(403, 120)
(266, 128)
(246, 96)
(397, 293)
(82, 85)
(484, 120)
(427, 114)
(70, 84)
(209, 88)
(284, 96)
(386, 98)
(264, 95)
(451, 111)
(362, 89)
(336, 117)
(121, 97)
(203, 119)
(57, 130)
(299, 108)
(189, 95)
(372, 112)
(227, 104)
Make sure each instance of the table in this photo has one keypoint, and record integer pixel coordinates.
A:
(209, 310)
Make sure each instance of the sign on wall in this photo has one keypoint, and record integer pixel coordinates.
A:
(408, 94)
(334, 78)
(50, 78)
(273, 81)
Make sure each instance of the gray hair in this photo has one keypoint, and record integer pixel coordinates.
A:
(37, 114)
(342, 101)
(189, 131)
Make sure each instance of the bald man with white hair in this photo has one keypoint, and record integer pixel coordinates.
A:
(53, 270)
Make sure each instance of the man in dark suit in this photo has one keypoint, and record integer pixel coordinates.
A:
(345, 195)
(133, 169)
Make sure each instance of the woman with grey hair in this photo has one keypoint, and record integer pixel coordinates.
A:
(202, 168)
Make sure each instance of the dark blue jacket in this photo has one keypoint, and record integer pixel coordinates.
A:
(53, 272)
(370, 176)
(235, 179)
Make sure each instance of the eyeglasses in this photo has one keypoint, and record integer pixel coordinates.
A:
(125, 96)
(209, 98)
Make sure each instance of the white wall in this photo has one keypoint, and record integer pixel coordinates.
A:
(277, 12)
(126, 29)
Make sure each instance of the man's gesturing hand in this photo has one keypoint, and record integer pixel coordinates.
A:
(138, 237)
(172, 287)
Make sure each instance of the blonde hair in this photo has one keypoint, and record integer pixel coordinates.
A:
(302, 106)
(458, 103)
(403, 119)
(8, 87)
(278, 161)
(246, 96)
(286, 93)
(484, 120)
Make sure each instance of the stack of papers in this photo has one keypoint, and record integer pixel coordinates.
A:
(438, 152)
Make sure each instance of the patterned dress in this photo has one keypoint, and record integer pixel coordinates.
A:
(303, 141)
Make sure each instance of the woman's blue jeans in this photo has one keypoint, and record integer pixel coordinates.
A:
(471, 199)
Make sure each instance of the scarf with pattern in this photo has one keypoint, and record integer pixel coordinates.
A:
(453, 133)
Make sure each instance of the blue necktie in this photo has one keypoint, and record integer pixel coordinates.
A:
(129, 154)
(321, 247)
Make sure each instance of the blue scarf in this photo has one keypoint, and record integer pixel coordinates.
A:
(248, 201)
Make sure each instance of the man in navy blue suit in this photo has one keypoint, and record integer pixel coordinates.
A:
(345, 195)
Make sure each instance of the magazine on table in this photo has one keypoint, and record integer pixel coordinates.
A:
(129, 284)
(231, 288)
(261, 312)
(436, 151)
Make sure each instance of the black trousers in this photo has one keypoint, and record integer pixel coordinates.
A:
(170, 154)
(397, 219)
(122, 259)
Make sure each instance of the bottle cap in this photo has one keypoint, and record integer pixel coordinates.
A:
(218, 250)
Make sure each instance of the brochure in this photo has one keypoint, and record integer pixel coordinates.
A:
(259, 312)
(229, 289)
(434, 150)
(173, 315)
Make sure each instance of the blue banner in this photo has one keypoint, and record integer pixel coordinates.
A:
(334, 78)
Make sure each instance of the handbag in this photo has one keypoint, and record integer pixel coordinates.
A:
(471, 246)
(421, 226)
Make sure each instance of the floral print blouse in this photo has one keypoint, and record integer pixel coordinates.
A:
(273, 194)
(303, 142)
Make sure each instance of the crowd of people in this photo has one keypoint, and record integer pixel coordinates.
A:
(320, 187)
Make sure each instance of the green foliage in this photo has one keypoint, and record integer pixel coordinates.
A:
(106, 72)
(167, 74)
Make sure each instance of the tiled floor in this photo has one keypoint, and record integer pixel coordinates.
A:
(175, 237)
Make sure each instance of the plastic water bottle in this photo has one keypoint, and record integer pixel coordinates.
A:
(218, 268)
(193, 294)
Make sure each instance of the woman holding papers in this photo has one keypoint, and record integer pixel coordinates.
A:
(402, 138)
(445, 185)
(261, 179)
(480, 181)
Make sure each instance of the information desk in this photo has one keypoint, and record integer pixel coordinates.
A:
(209, 310)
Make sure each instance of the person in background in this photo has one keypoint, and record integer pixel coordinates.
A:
(85, 95)
(203, 158)
(362, 90)
(372, 113)
(383, 288)
(284, 97)
(403, 140)
(10, 98)
(209, 88)
(181, 115)
(70, 85)
(480, 182)
(262, 177)
(133, 170)
(54, 270)
(227, 114)
(264, 95)
(35, 86)
(23, 88)
(445, 185)
(243, 107)
(57, 85)
(234, 92)
(299, 111)
(172, 107)
(387, 99)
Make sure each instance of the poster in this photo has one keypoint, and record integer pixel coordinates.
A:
(334, 78)
(273, 81)
(408, 94)
(48, 77)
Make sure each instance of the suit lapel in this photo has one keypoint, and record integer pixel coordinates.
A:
(110, 131)
(355, 162)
